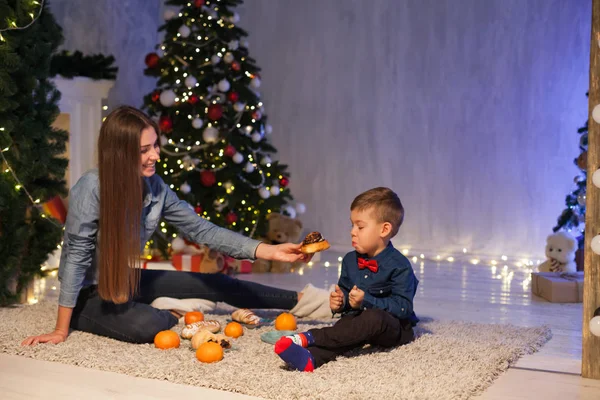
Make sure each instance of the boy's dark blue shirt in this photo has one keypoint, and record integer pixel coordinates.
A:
(392, 288)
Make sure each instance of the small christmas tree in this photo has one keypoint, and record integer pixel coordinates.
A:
(572, 219)
(215, 153)
(32, 168)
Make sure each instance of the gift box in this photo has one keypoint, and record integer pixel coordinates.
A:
(160, 265)
(238, 266)
(187, 262)
(558, 287)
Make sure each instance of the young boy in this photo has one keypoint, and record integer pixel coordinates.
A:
(374, 294)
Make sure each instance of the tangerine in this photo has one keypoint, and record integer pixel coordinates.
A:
(193, 316)
(285, 322)
(166, 340)
(209, 352)
(234, 330)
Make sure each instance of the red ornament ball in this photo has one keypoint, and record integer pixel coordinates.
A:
(193, 99)
(208, 178)
(284, 181)
(233, 97)
(256, 115)
(230, 151)
(155, 96)
(230, 218)
(215, 112)
(198, 3)
(165, 123)
(236, 66)
(152, 60)
(198, 209)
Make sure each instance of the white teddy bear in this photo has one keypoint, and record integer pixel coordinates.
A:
(560, 250)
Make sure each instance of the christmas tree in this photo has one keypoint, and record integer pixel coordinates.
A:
(214, 149)
(572, 219)
(32, 168)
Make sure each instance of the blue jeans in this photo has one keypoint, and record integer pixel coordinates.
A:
(138, 322)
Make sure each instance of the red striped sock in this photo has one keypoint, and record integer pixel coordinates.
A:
(296, 356)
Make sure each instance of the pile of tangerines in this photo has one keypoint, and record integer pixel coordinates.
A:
(209, 352)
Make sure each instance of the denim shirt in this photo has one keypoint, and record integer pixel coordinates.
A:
(78, 266)
(392, 288)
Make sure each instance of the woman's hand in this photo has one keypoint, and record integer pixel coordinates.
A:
(55, 337)
(286, 252)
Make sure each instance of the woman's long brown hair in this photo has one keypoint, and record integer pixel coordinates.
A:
(121, 191)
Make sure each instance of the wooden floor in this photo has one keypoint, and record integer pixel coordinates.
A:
(447, 290)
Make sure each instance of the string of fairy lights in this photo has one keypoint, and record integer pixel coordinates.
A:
(7, 168)
(12, 24)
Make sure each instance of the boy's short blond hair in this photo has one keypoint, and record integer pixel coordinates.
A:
(386, 206)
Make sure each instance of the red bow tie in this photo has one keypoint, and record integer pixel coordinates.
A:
(370, 264)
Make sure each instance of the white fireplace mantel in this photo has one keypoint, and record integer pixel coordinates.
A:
(81, 99)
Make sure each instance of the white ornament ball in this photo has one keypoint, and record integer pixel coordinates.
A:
(233, 45)
(228, 58)
(169, 14)
(596, 178)
(249, 168)
(234, 18)
(185, 188)
(239, 107)
(596, 114)
(245, 44)
(248, 129)
(289, 210)
(300, 208)
(595, 325)
(224, 85)
(238, 158)
(255, 83)
(178, 245)
(228, 185)
(256, 137)
(275, 190)
(188, 162)
(163, 140)
(215, 59)
(184, 31)
(197, 123)
(190, 82)
(264, 193)
(596, 244)
(210, 135)
(266, 160)
(167, 98)
(268, 129)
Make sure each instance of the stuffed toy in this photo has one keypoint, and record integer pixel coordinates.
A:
(212, 261)
(282, 229)
(560, 250)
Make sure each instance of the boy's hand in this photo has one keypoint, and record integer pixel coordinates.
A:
(336, 299)
(356, 297)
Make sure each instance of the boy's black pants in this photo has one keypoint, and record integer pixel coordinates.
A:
(374, 326)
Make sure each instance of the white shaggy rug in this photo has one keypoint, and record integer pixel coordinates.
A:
(448, 360)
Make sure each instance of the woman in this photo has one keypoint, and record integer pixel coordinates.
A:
(115, 209)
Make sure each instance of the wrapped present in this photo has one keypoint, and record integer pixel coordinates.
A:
(558, 287)
(56, 209)
(187, 262)
(162, 265)
(238, 266)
